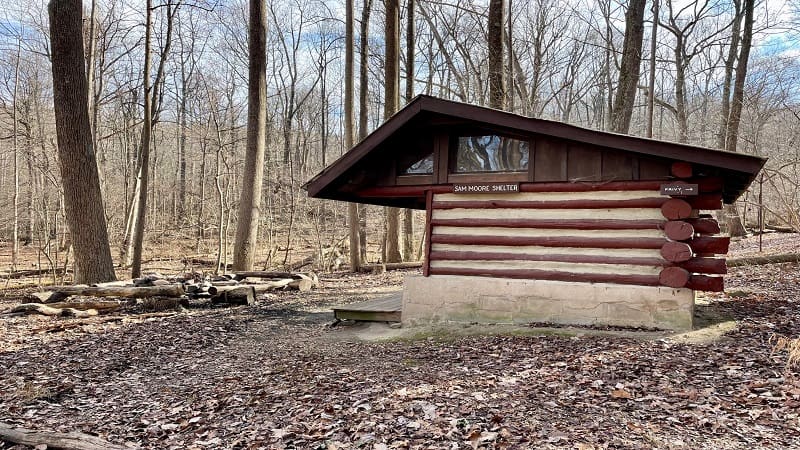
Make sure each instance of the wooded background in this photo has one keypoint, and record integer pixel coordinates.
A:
(569, 61)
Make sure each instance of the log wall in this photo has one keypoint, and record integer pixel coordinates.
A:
(634, 237)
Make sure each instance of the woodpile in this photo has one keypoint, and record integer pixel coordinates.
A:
(156, 292)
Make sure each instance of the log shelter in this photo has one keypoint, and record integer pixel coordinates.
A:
(531, 220)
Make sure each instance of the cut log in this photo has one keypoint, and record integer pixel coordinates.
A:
(173, 290)
(236, 295)
(680, 169)
(100, 306)
(38, 308)
(704, 225)
(676, 251)
(675, 277)
(72, 440)
(706, 265)
(273, 275)
(710, 244)
(45, 297)
(391, 266)
(678, 230)
(705, 201)
(765, 259)
(706, 283)
(301, 285)
(676, 209)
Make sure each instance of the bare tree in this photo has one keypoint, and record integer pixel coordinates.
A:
(497, 85)
(250, 200)
(390, 105)
(352, 208)
(629, 67)
(82, 198)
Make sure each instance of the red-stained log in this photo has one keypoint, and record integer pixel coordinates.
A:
(533, 274)
(676, 251)
(681, 169)
(706, 265)
(445, 255)
(652, 202)
(705, 201)
(704, 225)
(673, 277)
(550, 241)
(678, 230)
(710, 244)
(558, 224)
(676, 209)
(706, 283)
(705, 184)
(426, 266)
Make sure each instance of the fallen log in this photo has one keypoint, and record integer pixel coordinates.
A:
(72, 440)
(172, 290)
(236, 295)
(265, 274)
(100, 306)
(38, 308)
(390, 266)
(765, 259)
(32, 273)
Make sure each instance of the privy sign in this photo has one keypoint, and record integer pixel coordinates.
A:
(485, 188)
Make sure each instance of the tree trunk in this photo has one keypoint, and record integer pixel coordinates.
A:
(735, 226)
(82, 197)
(391, 103)
(250, 200)
(629, 67)
(352, 208)
(408, 214)
(722, 133)
(15, 201)
(651, 82)
(497, 88)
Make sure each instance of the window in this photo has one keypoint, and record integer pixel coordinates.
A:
(422, 167)
(491, 154)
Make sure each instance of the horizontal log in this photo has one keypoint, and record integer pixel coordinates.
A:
(46, 310)
(678, 230)
(764, 259)
(266, 274)
(710, 244)
(705, 201)
(706, 283)
(653, 202)
(676, 209)
(694, 265)
(533, 274)
(675, 277)
(706, 265)
(705, 184)
(236, 295)
(32, 273)
(390, 266)
(676, 251)
(72, 440)
(680, 169)
(498, 256)
(551, 241)
(554, 224)
(704, 225)
(173, 290)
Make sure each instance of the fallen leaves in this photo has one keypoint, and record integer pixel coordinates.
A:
(274, 376)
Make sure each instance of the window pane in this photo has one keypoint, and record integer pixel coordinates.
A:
(423, 166)
(491, 154)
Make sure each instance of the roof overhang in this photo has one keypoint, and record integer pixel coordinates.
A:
(738, 170)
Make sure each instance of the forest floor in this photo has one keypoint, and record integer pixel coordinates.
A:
(277, 375)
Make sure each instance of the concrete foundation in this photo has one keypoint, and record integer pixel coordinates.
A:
(466, 299)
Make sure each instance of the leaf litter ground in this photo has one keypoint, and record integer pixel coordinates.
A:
(276, 375)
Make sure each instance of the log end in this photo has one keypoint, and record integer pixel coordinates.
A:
(681, 169)
(675, 277)
(678, 230)
(676, 251)
(676, 209)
